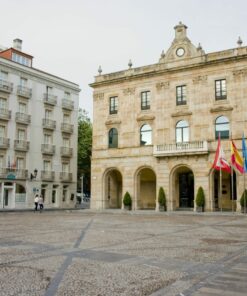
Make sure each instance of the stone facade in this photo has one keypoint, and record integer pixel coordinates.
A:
(191, 97)
(38, 135)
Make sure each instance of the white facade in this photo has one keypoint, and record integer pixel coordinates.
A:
(38, 135)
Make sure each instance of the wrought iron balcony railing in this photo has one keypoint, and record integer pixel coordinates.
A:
(5, 114)
(50, 99)
(22, 118)
(6, 86)
(21, 145)
(68, 104)
(48, 149)
(66, 151)
(24, 91)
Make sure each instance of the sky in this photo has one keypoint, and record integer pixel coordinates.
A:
(70, 39)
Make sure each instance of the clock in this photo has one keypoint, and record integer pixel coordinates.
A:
(180, 52)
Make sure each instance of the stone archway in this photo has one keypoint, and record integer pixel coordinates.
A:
(146, 189)
(113, 190)
(183, 188)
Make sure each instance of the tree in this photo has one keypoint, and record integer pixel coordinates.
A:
(84, 146)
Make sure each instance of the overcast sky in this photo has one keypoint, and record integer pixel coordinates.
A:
(72, 38)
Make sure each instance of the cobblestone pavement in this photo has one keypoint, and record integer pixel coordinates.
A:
(122, 253)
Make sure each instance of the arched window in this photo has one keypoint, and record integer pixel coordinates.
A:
(222, 126)
(182, 131)
(146, 135)
(113, 138)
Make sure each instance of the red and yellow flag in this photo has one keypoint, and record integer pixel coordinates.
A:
(236, 158)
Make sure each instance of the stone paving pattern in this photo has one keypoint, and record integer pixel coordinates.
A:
(122, 253)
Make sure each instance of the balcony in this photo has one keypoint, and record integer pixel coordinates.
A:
(49, 124)
(47, 175)
(6, 86)
(13, 173)
(23, 91)
(4, 143)
(50, 99)
(48, 149)
(66, 151)
(5, 114)
(21, 145)
(22, 118)
(65, 177)
(180, 149)
(67, 104)
(67, 128)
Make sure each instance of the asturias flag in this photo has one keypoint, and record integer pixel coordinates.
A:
(236, 158)
(244, 152)
(220, 163)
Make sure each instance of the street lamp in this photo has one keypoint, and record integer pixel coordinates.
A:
(34, 174)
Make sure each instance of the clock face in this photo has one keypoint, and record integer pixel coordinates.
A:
(180, 52)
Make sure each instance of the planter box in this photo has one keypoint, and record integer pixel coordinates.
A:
(200, 209)
(162, 208)
(127, 208)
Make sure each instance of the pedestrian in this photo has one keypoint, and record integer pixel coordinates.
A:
(41, 203)
(36, 202)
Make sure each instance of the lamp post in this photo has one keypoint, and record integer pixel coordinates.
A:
(82, 176)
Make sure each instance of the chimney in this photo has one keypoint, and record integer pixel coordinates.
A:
(17, 44)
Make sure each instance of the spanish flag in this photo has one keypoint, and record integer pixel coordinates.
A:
(236, 158)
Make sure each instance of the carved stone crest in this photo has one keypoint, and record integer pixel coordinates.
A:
(162, 85)
(200, 79)
(98, 96)
(129, 91)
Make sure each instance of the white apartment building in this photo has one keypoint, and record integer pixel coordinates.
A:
(38, 134)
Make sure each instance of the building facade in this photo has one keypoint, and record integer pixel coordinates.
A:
(157, 126)
(38, 133)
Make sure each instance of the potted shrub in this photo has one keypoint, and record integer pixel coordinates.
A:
(127, 201)
(162, 199)
(243, 201)
(200, 200)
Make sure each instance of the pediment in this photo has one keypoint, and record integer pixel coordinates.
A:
(221, 109)
(145, 117)
(112, 122)
(181, 113)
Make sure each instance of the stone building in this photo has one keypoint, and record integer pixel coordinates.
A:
(157, 126)
(38, 133)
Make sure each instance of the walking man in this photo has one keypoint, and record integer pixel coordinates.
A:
(41, 203)
(36, 202)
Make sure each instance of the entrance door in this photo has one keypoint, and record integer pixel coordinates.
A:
(6, 198)
(186, 190)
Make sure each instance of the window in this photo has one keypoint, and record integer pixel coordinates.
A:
(66, 118)
(66, 142)
(222, 127)
(145, 100)
(22, 108)
(182, 131)
(67, 95)
(48, 90)
(3, 103)
(23, 82)
(47, 139)
(47, 165)
(20, 163)
(220, 89)
(48, 114)
(21, 59)
(181, 95)
(113, 138)
(146, 135)
(65, 167)
(3, 75)
(2, 131)
(21, 135)
(113, 105)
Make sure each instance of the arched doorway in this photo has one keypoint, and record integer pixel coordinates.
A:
(113, 190)
(227, 200)
(146, 189)
(183, 188)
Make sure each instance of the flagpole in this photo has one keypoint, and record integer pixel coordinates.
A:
(244, 196)
(232, 189)
(220, 189)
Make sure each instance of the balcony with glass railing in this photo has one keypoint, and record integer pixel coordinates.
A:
(65, 177)
(24, 91)
(4, 143)
(49, 124)
(21, 145)
(183, 148)
(67, 128)
(6, 86)
(22, 118)
(67, 104)
(50, 99)
(48, 149)
(5, 114)
(66, 151)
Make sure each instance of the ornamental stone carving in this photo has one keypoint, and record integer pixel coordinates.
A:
(239, 73)
(200, 79)
(221, 109)
(129, 91)
(162, 85)
(98, 96)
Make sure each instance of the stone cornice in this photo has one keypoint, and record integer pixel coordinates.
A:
(221, 109)
(113, 122)
(160, 69)
(181, 113)
(145, 117)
